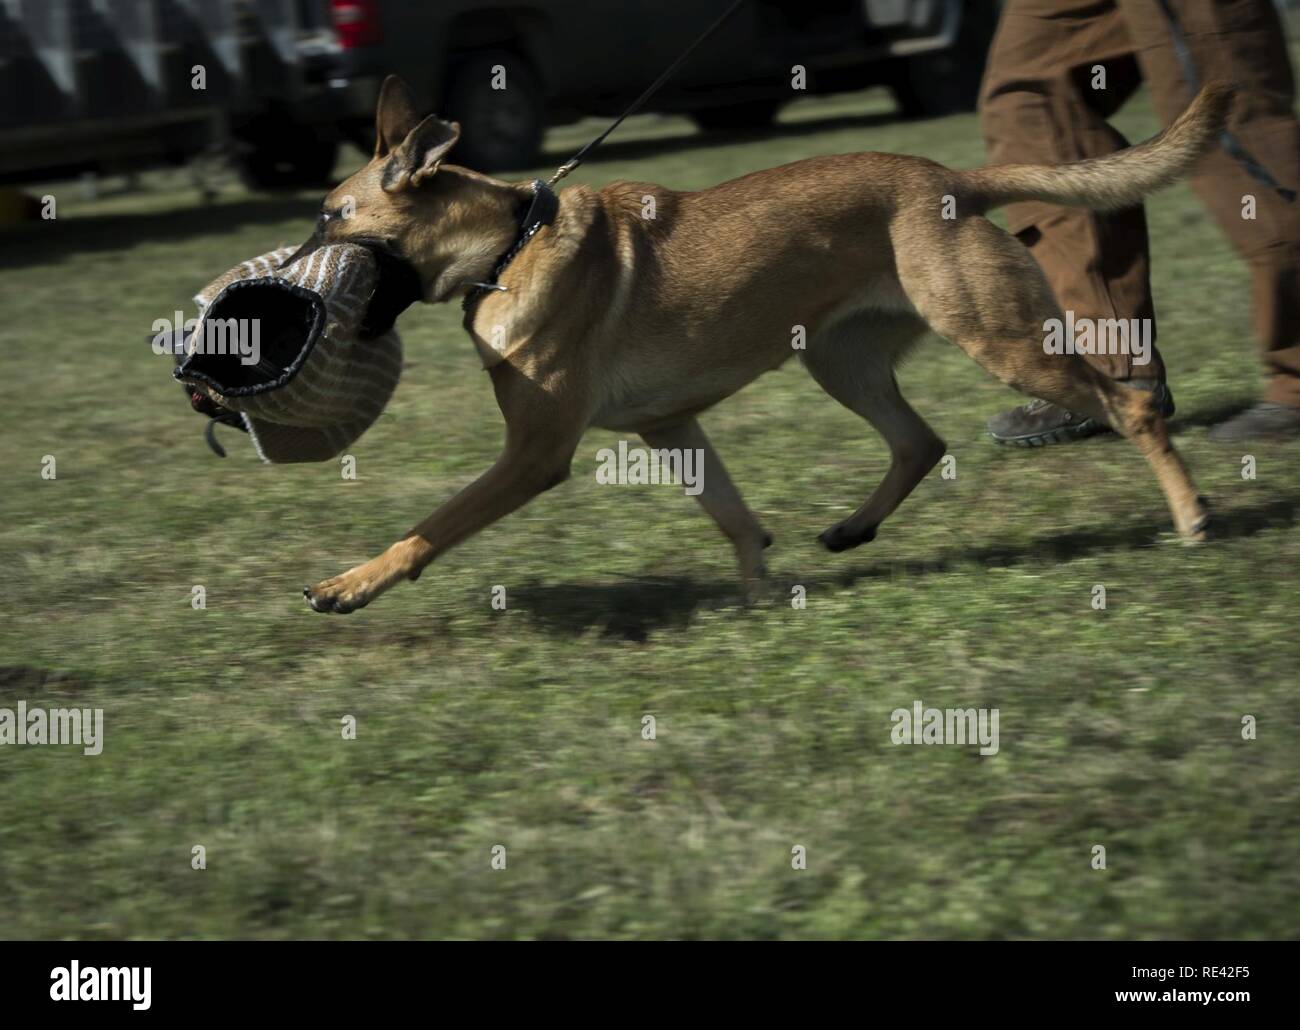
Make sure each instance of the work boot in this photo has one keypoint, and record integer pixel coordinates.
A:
(1040, 422)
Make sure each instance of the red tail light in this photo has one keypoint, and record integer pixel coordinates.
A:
(357, 22)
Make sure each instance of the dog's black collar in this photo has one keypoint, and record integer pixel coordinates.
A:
(541, 211)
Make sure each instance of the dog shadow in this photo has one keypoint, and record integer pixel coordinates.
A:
(633, 610)
(1074, 544)
(1203, 417)
(632, 149)
(628, 611)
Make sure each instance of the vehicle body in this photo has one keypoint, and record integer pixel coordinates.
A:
(110, 84)
(565, 59)
(114, 84)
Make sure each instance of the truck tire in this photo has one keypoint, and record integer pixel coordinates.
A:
(948, 81)
(751, 114)
(280, 154)
(501, 128)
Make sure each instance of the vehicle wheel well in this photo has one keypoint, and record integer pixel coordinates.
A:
(521, 34)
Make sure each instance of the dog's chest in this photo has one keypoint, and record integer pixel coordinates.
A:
(643, 392)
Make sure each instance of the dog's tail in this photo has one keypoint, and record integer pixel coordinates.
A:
(1117, 180)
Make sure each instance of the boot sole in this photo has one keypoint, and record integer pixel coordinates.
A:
(1064, 434)
(1081, 431)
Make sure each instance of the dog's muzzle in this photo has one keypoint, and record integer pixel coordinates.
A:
(396, 289)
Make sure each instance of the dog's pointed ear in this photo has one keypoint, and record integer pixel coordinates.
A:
(395, 116)
(420, 154)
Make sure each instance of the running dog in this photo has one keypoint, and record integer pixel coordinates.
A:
(635, 307)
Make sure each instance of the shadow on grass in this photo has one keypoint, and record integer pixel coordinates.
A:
(624, 611)
(1060, 547)
(29, 681)
(633, 610)
(51, 242)
(631, 150)
(1211, 416)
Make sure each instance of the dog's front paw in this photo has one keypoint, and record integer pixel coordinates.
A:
(1194, 523)
(355, 589)
(843, 536)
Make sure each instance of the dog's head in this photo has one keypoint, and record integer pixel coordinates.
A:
(434, 227)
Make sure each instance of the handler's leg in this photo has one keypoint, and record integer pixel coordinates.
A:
(1241, 41)
(1057, 70)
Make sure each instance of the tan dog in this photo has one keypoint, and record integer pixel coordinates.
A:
(613, 319)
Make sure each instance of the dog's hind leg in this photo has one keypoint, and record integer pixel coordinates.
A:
(853, 361)
(982, 290)
(719, 497)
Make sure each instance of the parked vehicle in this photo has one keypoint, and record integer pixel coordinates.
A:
(113, 84)
(110, 84)
(564, 59)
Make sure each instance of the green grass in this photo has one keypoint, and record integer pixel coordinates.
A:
(478, 727)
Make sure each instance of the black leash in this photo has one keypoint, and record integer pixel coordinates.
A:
(1227, 140)
(653, 88)
(545, 204)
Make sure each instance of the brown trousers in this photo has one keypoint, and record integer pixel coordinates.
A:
(1038, 104)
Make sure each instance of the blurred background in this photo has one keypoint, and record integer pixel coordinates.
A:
(106, 86)
(523, 727)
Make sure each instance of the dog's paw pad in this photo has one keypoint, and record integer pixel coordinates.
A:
(318, 602)
(329, 597)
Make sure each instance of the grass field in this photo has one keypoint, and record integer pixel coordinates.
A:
(522, 727)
